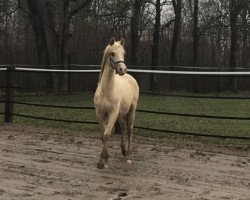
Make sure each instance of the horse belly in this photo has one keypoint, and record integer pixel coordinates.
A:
(127, 96)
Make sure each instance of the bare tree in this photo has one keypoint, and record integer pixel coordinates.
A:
(245, 36)
(36, 18)
(61, 25)
(235, 8)
(65, 32)
(135, 20)
(155, 46)
(195, 33)
(177, 4)
(234, 12)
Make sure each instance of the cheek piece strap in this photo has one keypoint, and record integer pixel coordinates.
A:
(114, 64)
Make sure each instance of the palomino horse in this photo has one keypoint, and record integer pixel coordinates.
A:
(115, 99)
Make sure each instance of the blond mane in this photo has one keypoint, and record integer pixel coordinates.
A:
(104, 59)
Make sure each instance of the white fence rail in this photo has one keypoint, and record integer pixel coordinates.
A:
(206, 73)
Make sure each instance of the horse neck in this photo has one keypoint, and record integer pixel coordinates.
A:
(108, 78)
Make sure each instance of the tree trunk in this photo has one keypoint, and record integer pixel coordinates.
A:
(155, 47)
(244, 38)
(134, 31)
(37, 22)
(6, 42)
(234, 42)
(62, 44)
(195, 34)
(176, 34)
(195, 42)
(175, 40)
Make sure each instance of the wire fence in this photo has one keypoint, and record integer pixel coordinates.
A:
(216, 96)
(138, 110)
(137, 127)
(11, 102)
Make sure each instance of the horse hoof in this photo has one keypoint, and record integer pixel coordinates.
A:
(100, 166)
(129, 161)
(124, 152)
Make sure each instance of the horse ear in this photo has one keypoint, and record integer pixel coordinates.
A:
(112, 41)
(122, 41)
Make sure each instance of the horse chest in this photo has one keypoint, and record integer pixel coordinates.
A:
(106, 103)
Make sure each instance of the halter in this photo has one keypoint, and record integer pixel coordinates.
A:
(114, 64)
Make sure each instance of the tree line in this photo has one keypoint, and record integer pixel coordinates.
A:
(158, 32)
(209, 33)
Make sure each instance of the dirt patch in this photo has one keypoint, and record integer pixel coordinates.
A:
(43, 164)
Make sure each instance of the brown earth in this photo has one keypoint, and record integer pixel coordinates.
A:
(42, 164)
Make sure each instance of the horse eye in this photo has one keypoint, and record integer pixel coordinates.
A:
(112, 53)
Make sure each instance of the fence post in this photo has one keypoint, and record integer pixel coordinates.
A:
(9, 95)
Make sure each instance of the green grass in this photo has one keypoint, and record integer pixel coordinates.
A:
(58, 113)
(219, 107)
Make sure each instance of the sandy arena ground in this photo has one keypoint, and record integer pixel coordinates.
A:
(41, 164)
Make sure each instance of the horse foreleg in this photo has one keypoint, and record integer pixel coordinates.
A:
(105, 137)
(131, 117)
(102, 118)
(103, 158)
(122, 123)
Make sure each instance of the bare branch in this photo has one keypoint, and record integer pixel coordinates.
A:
(50, 21)
(78, 9)
(19, 6)
(116, 13)
(12, 11)
(164, 26)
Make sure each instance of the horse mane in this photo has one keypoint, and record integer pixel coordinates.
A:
(104, 58)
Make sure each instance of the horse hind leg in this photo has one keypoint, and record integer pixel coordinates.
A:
(130, 124)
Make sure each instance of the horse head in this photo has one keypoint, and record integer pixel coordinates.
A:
(116, 53)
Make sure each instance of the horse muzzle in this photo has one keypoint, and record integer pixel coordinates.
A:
(121, 69)
(119, 66)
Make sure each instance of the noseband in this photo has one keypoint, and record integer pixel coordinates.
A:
(114, 64)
